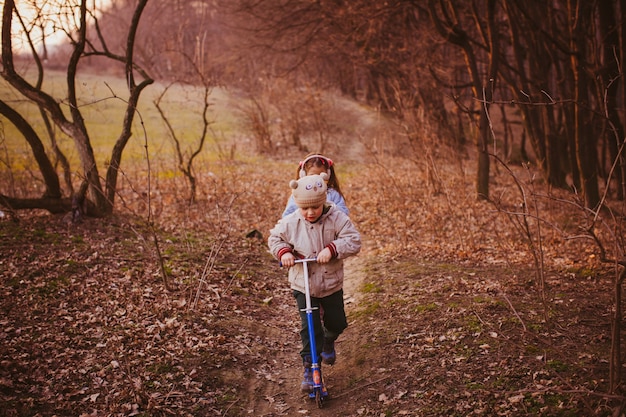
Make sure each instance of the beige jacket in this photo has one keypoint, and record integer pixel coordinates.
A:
(295, 234)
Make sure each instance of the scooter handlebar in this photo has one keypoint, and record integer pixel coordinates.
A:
(300, 261)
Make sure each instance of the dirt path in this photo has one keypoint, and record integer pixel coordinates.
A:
(276, 392)
(354, 278)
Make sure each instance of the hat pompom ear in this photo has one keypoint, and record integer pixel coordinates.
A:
(293, 184)
(324, 176)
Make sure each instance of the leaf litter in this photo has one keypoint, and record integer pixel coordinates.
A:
(446, 314)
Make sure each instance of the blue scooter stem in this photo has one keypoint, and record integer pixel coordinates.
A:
(319, 390)
(309, 312)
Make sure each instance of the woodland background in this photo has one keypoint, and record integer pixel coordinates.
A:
(145, 154)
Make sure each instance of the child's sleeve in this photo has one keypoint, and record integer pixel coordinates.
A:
(291, 207)
(334, 197)
(277, 242)
(348, 241)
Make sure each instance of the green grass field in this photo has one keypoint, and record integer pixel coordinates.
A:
(324, 122)
(102, 103)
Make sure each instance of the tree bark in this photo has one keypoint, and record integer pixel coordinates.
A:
(53, 205)
(97, 201)
(586, 152)
(131, 108)
(482, 89)
(50, 177)
(612, 55)
(76, 128)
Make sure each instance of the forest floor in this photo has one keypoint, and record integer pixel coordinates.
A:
(449, 315)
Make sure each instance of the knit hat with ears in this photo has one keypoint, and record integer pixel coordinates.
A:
(309, 191)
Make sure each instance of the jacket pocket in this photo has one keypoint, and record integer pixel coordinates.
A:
(332, 276)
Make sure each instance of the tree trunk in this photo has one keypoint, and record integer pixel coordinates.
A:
(96, 200)
(50, 177)
(533, 70)
(482, 90)
(586, 152)
(131, 108)
(612, 57)
(622, 185)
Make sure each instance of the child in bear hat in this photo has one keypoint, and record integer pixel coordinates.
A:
(322, 231)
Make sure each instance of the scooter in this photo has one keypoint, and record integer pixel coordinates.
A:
(319, 393)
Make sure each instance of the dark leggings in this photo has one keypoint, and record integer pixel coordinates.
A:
(333, 317)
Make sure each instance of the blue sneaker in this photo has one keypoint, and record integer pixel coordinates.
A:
(329, 356)
(307, 381)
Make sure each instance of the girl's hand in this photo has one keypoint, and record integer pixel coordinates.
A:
(288, 260)
(324, 256)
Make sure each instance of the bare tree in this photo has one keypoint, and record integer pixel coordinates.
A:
(579, 20)
(483, 40)
(187, 157)
(92, 197)
(612, 57)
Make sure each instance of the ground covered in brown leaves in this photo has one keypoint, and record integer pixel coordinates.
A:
(454, 308)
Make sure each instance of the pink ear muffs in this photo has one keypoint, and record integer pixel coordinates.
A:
(329, 162)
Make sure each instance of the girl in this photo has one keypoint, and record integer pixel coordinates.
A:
(316, 164)
(316, 230)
